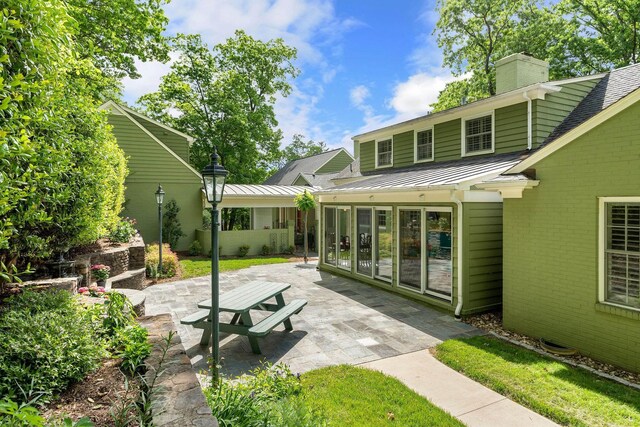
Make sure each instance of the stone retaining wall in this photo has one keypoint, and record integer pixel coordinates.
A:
(180, 401)
(136, 254)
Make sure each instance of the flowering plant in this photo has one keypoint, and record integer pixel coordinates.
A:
(93, 291)
(100, 271)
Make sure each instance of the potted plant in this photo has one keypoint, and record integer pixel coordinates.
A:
(101, 273)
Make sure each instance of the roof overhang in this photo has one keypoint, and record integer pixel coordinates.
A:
(508, 189)
(535, 91)
(258, 196)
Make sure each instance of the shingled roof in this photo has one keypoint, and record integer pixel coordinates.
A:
(613, 87)
(307, 165)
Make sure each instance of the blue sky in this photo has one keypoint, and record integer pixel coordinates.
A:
(364, 64)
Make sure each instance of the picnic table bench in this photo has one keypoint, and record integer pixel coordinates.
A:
(240, 301)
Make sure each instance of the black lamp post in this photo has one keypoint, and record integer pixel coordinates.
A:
(159, 199)
(213, 178)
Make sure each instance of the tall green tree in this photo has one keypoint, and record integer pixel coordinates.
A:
(61, 171)
(114, 33)
(607, 32)
(224, 97)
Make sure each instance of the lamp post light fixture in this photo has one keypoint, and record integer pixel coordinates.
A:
(213, 178)
(159, 199)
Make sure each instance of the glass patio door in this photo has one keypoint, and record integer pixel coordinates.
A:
(343, 246)
(425, 260)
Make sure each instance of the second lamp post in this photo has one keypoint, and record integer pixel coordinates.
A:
(159, 199)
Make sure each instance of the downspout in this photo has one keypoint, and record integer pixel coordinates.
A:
(457, 201)
(529, 122)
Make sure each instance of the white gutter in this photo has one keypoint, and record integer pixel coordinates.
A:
(529, 120)
(457, 201)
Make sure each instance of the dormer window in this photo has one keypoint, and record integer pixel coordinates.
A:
(423, 146)
(477, 135)
(384, 153)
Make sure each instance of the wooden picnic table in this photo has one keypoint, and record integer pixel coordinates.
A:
(240, 301)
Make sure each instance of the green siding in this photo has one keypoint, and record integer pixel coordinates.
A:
(300, 181)
(403, 149)
(367, 156)
(149, 165)
(511, 128)
(482, 249)
(550, 112)
(337, 163)
(446, 138)
(551, 245)
(176, 143)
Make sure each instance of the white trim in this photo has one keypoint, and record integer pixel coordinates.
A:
(602, 237)
(189, 138)
(146, 131)
(463, 132)
(415, 145)
(301, 176)
(535, 91)
(374, 243)
(579, 79)
(509, 190)
(377, 141)
(577, 132)
(343, 207)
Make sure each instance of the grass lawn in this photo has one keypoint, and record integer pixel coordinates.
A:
(351, 396)
(196, 267)
(567, 395)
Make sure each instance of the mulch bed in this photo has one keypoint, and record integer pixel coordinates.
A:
(492, 322)
(96, 397)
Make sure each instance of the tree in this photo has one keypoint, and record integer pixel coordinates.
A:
(609, 32)
(305, 202)
(475, 34)
(114, 33)
(62, 173)
(299, 148)
(225, 96)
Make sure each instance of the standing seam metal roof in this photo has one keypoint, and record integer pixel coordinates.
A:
(239, 190)
(434, 174)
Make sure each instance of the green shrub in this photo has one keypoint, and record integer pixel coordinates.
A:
(266, 250)
(243, 250)
(263, 397)
(170, 263)
(132, 347)
(49, 340)
(171, 229)
(195, 248)
(124, 231)
(119, 314)
(290, 250)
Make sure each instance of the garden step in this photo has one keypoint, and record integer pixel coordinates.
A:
(132, 279)
(137, 299)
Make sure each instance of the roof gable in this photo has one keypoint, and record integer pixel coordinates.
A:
(288, 174)
(118, 109)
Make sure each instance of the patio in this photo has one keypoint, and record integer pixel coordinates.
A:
(344, 322)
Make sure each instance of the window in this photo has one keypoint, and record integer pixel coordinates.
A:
(477, 135)
(423, 146)
(384, 151)
(621, 240)
(337, 236)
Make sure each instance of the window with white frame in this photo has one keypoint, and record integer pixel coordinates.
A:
(621, 239)
(424, 145)
(478, 135)
(384, 150)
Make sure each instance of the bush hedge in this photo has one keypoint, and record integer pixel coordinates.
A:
(170, 263)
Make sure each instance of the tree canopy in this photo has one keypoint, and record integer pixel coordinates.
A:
(224, 97)
(299, 148)
(576, 37)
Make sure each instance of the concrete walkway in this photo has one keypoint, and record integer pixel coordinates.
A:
(470, 402)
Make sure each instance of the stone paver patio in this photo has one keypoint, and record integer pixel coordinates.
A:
(345, 321)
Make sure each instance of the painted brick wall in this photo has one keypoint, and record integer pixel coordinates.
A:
(550, 245)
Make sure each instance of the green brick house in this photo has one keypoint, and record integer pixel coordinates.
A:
(156, 154)
(572, 237)
(529, 199)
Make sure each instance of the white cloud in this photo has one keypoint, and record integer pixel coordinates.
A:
(414, 96)
(358, 95)
(151, 73)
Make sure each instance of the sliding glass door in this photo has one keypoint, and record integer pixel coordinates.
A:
(363, 224)
(384, 237)
(337, 237)
(425, 261)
